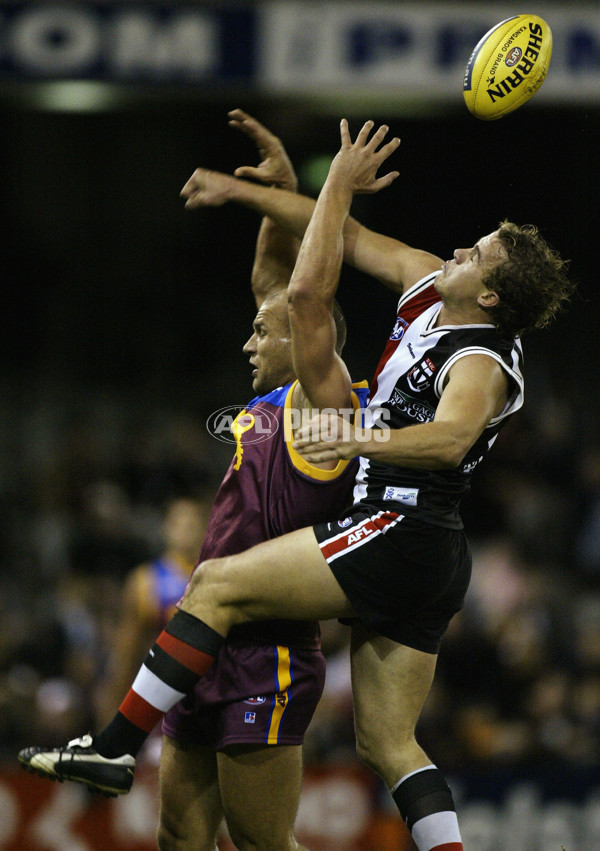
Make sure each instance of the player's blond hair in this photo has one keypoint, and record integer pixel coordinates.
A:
(532, 284)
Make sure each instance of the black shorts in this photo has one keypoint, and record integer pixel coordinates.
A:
(405, 579)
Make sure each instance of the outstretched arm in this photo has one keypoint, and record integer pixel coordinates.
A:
(276, 247)
(319, 368)
(394, 263)
(476, 391)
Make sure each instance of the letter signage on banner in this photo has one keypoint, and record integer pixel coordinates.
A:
(411, 50)
(126, 42)
(394, 51)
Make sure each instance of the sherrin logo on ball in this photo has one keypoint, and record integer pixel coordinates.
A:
(507, 67)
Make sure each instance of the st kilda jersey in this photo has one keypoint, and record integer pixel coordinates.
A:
(406, 391)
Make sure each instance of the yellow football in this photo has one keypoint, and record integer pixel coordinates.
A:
(508, 66)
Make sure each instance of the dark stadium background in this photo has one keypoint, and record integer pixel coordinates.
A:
(110, 285)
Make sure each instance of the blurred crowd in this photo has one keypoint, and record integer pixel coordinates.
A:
(519, 673)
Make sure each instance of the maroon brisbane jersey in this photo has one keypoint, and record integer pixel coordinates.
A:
(268, 490)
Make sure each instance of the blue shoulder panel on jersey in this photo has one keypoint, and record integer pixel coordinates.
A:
(362, 391)
(278, 396)
(275, 397)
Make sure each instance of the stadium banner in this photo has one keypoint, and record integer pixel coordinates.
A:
(127, 42)
(341, 807)
(285, 47)
(409, 51)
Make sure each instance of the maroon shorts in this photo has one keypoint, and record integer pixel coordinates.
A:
(253, 694)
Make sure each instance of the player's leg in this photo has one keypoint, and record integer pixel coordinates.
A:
(190, 801)
(386, 740)
(267, 695)
(284, 578)
(287, 577)
(391, 675)
(260, 789)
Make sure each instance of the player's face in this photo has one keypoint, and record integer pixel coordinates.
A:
(270, 347)
(461, 278)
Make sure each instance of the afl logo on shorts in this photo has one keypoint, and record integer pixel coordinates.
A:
(253, 701)
(345, 522)
(399, 329)
(513, 56)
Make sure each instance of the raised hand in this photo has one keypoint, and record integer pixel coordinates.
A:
(275, 167)
(357, 163)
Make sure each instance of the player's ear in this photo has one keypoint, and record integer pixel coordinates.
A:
(488, 298)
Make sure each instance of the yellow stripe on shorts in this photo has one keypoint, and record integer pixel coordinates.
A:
(284, 681)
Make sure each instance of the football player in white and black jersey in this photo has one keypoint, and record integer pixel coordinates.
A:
(397, 564)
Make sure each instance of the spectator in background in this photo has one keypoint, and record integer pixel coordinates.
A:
(149, 596)
(104, 541)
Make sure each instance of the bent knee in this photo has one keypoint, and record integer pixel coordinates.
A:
(181, 828)
(261, 840)
(208, 584)
(215, 578)
(171, 837)
(166, 840)
(213, 594)
(205, 575)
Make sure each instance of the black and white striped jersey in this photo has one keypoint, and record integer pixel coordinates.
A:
(406, 390)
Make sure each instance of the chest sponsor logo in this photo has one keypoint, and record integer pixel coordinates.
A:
(419, 378)
(411, 408)
(398, 329)
(408, 496)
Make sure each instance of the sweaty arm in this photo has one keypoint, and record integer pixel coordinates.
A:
(320, 370)
(476, 391)
(395, 264)
(274, 259)
(392, 262)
